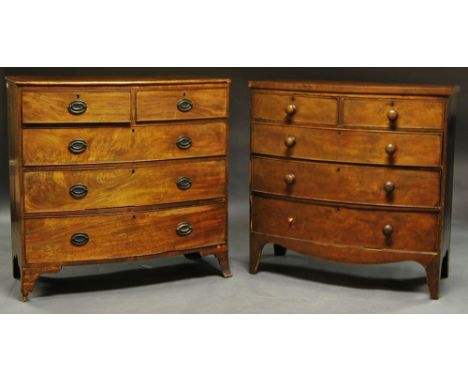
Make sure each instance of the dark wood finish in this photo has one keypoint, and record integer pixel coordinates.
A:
(394, 114)
(347, 183)
(294, 108)
(372, 187)
(123, 144)
(351, 146)
(90, 184)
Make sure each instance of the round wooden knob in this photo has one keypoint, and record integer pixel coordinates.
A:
(291, 220)
(290, 178)
(290, 109)
(389, 187)
(392, 115)
(390, 149)
(290, 141)
(387, 230)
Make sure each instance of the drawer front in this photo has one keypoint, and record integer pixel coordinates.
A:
(179, 103)
(294, 108)
(112, 145)
(410, 231)
(48, 191)
(409, 149)
(106, 237)
(355, 184)
(76, 107)
(394, 113)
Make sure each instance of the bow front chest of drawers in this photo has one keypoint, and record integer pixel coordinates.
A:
(106, 170)
(356, 173)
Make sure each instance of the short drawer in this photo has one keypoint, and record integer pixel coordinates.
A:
(122, 144)
(354, 146)
(73, 190)
(107, 237)
(49, 107)
(294, 108)
(409, 231)
(429, 114)
(346, 183)
(178, 103)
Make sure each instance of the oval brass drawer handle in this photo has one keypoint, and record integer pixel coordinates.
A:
(390, 149)
(290, 178)
(387, 230)
(79, 239)
(184, 183)
(184, 142)
(389, 187)
(290, 141)
(290, 109)
(77, 146)
(184, 229)
(78, 191)
(184, 105)
(77, 107)
(392, 115)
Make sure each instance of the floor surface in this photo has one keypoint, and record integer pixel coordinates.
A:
(291, 284)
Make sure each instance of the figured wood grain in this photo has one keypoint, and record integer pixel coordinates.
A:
(311, 109)
(413, 231)
(44, 146)
(161, 105)
(123, 235)
(48, 191)
(50, 107)
(353, 146)
(346, 183)
(414, 114)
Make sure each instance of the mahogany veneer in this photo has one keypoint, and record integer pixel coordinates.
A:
(116, 169)
(354, 173)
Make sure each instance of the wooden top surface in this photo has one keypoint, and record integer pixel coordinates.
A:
(114, 80)
(356, 87)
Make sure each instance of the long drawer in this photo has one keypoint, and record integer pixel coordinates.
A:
(346, 183)
(106, 237)
(51, 107)
(45, 146)
(353, 146)
(168, 103)
(168, 182)
(400, 113)
(378, 229)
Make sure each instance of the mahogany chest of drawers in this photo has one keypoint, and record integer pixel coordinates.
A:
(106, 170)
(356, 173)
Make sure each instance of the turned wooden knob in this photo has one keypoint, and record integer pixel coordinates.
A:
(290, 178)
(392, 115)
(290, 109)
(387, 230)
(290, 141)
(390, 149)
(291, 220)
(389, 187)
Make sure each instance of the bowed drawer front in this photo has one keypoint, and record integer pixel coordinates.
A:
(355, 173)
(106, 169)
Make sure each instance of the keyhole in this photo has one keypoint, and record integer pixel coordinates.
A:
(77, 96)
(338, 169)
(133, 171)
